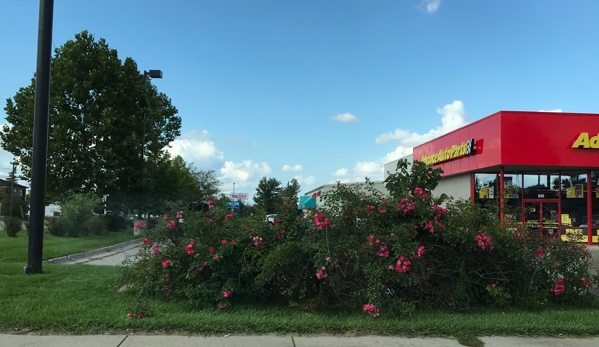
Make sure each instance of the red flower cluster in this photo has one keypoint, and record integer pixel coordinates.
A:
(146, 241)
(321, 224)
(189, 248)
(584, 282)
(226, 293)
(315, 195)
(230, 215)
(257, 240)
(171, 224)
(440, 212)
(371, 309)
(421, 193)
(402, 265)
(166, 263)
(180, 214)
(155, 249)
(483, 241)
(370, 209)
(320, 274)
(419, 253)
(426, 225)
(559, 287)
(539, 252)
(383, 252)
(406, 206)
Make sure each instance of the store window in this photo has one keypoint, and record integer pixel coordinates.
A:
(513, 196)
(541, 186)
(486, 188)
(573, 199)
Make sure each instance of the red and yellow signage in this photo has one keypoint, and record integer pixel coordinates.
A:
(584, 141)
(456, 151)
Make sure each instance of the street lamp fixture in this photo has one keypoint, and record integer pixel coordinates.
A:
(151, 74)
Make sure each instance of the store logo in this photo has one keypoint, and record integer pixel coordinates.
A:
(583, 141)
(456, 151)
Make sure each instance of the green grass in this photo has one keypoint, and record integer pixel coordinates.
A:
(14, 249)
(84, 299)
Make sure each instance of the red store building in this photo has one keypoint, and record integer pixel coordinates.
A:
(544, 164)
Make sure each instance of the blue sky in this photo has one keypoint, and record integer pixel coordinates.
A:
(327, 90)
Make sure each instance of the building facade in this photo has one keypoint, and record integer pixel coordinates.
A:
(542, 167)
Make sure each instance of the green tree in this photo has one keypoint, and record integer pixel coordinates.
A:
(291, 190)
(102, 113)
(268, 194)
(172, 179)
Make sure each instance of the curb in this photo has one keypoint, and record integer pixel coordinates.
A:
(77, 256)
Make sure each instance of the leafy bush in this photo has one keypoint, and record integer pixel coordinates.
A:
(59, 226)
(115, 222)
(77, 210)
(360, 250)
(95, 225)
(12, 226)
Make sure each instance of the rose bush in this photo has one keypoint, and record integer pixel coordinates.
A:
(360, 249)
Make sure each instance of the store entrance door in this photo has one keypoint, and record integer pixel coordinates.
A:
(542, 216)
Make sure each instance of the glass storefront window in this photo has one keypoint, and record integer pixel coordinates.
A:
(541, 186)
(513, 196)
(573, 198)
(486, 188)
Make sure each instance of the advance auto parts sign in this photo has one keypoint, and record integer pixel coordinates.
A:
(583, 141)
(456, 151)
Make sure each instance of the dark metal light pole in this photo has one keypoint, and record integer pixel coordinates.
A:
(151, 74)
(40, 138)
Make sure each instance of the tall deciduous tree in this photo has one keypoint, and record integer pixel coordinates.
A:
(102, 114)
(268, 194)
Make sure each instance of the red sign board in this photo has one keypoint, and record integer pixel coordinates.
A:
(239, 196)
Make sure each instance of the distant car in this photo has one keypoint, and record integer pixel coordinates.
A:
(270, 218)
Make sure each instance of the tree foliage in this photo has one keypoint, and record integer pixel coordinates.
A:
(102, 113)
(291, 190)
(268, 194)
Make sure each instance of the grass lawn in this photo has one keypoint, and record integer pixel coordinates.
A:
(14, 249)
(84, 299)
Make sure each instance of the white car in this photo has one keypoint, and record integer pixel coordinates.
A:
(270, 218)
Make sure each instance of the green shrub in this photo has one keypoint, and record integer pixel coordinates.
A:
(59, 226)
(78, 209)
(95, 225)
(115, 222)
(12, 226)
(360, 250)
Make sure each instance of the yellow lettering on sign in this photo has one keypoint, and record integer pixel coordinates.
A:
(453, 152)
(583, 141)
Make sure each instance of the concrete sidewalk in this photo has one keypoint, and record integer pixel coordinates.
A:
(7, 340)
(110, 255)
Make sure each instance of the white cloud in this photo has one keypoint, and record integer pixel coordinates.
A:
(453, 116)
(341, 172)
(368, 169)
(196, 147)
(307, 181)
(296, 167)
(399, 152)
(244, 171)
(431, 6)
(556, 110)
(344, 180)
(345, 118)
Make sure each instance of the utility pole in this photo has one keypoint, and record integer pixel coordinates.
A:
(41, 117)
